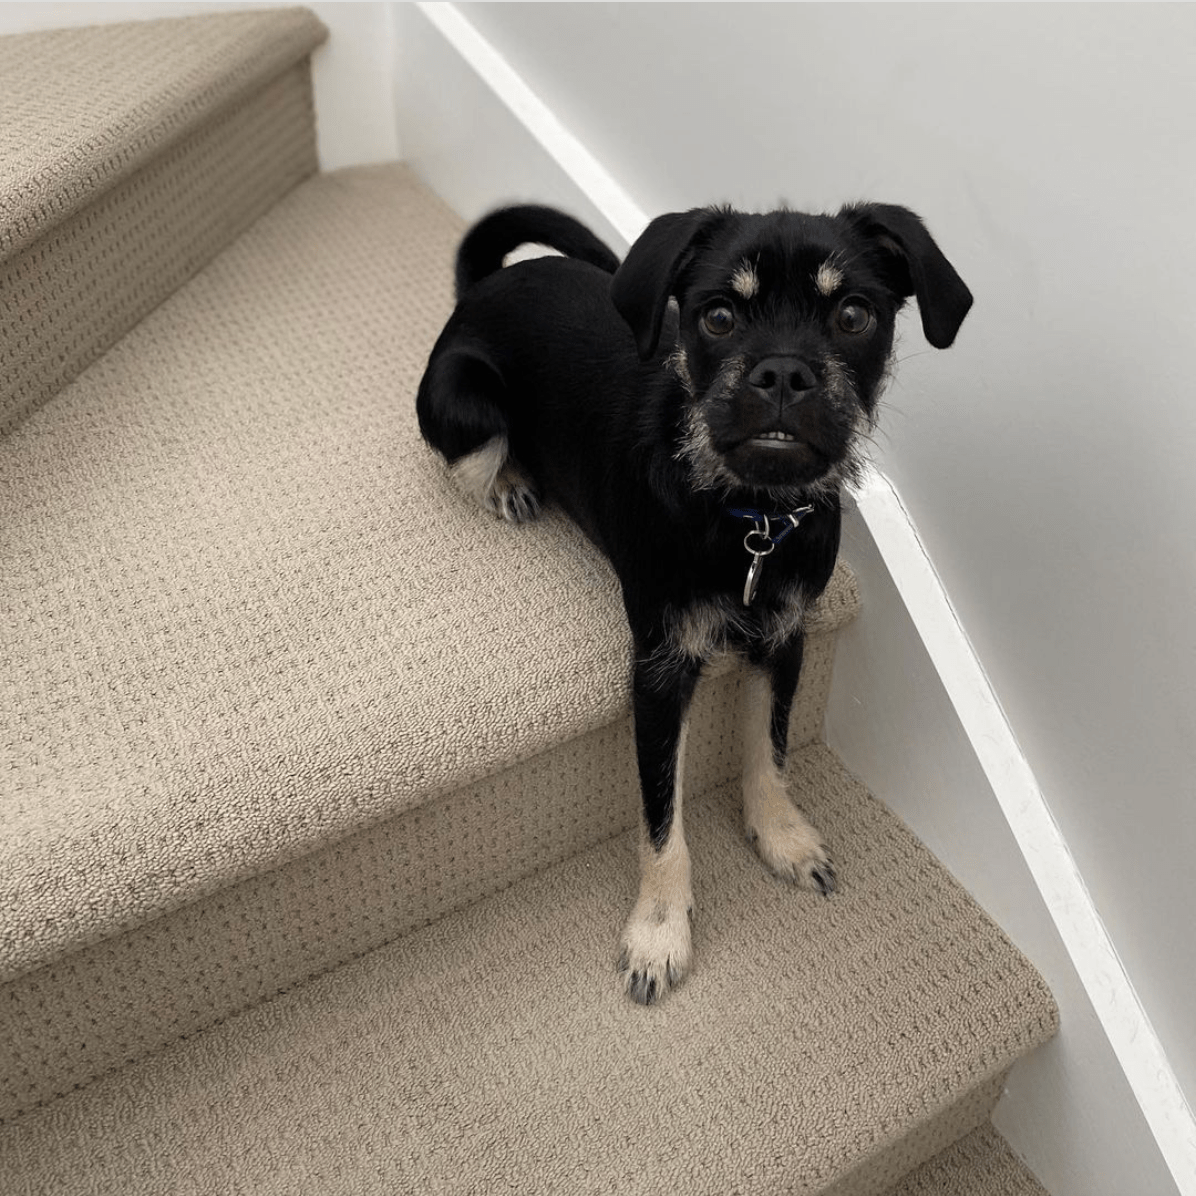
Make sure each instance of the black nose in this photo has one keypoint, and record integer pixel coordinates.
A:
(782, 378)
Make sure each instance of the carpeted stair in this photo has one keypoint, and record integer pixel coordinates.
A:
(318, 803)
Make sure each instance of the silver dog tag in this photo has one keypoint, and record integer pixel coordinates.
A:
(753, 578)
(762, 546)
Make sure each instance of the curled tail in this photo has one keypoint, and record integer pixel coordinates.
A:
(490, 240)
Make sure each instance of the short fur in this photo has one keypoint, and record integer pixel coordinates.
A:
(732, 361)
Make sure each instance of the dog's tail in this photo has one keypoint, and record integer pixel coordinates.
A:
(494, 236)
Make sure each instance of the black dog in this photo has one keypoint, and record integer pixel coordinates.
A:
(701, 444)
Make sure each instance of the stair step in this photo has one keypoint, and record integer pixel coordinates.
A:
(130, 155)
(265, 656)
(820, 1045)
(980, 1164)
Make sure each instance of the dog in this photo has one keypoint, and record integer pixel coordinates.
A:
(697, 409)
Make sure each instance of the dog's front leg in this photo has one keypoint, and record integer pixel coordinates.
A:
(779, 832)
(655, 948)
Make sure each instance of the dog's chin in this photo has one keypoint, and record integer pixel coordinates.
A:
(765, 463)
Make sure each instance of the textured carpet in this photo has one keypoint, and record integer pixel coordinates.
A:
(492, 1051)
(83, 108)
(221, 649)
(130, 155)
(981, 1164)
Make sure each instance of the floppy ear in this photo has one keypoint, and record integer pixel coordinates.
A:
(642, 285)
(920, 267)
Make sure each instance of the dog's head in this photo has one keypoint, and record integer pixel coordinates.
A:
(785, 327)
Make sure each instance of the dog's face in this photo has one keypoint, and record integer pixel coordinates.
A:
(784, 328)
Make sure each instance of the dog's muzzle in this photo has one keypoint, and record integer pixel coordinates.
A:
(785, 425)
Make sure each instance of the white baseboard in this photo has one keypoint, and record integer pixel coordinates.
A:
(1099, 1112)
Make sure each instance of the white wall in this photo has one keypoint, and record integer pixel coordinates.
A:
(1049, 459)
(352, 73)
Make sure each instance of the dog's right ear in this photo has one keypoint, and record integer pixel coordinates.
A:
(643, 284)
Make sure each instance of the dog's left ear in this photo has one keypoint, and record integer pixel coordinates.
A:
(920, 267)
(643, 284)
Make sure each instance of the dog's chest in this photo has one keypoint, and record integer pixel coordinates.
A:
(709, 627)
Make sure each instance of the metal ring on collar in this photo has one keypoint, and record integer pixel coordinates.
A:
(767, 544)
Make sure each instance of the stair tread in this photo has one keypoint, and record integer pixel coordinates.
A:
(119, 94)
(491, 1051)
(251, 615)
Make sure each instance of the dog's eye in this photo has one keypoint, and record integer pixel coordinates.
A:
(854, 316)
(718, 321)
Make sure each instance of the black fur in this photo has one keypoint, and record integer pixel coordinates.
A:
(634, 396)
(490, 240)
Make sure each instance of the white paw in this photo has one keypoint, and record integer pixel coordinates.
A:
(513, 497)
(789, 846)
(655, 951)
(496, 482)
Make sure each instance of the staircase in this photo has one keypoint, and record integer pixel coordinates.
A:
(318, 804)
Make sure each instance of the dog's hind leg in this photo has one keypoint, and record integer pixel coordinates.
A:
(461, 412)
(780, 833)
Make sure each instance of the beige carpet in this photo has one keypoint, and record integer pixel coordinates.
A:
(130, 155)
(980, 1164)
(222, 650)
(492, 1051)
(82, 108)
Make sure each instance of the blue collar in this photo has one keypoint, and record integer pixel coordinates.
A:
(765, 521)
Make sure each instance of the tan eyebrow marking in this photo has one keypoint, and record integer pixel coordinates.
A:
(745, 282)
(828, 279)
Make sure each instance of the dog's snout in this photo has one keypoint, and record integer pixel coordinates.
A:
(782, 378)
